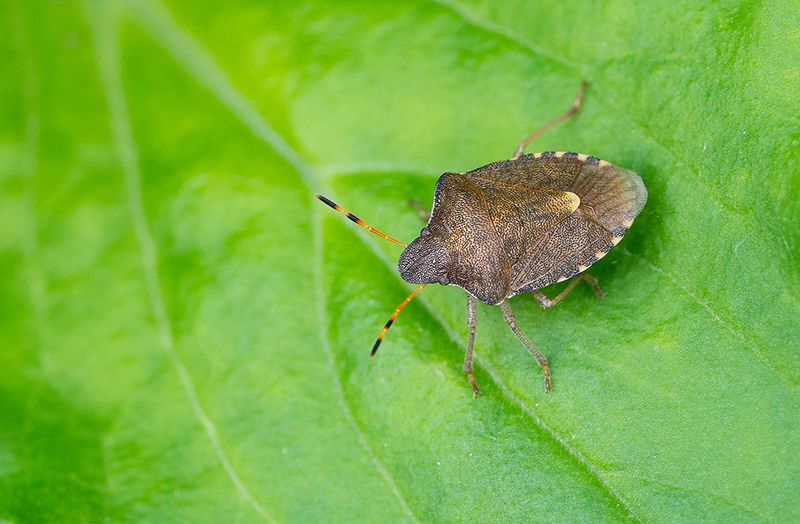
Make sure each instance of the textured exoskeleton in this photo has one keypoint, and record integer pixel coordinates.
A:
(520, 225)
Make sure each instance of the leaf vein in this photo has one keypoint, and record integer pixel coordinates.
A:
(106, 43)
(713, 314)
(685, 489)
(197, 62)
(337, 384)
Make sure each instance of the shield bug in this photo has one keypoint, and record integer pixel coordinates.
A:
(516, 226)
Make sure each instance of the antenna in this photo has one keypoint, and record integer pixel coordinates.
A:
(330, 203)
(391, 319)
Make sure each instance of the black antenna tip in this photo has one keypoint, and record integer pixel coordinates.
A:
(375, 348)
(326, 200)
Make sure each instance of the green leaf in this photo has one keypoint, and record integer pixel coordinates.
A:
(184, 330)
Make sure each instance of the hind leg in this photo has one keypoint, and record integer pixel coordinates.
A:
(569, 113)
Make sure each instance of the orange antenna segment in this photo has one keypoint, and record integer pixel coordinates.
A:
(357, 220)
(394, 316)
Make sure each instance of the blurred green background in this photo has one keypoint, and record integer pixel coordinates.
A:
(184, 330)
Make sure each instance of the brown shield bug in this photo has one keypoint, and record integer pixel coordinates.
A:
(516, 226)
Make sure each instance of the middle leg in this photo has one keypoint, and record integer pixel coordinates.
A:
(540, 358)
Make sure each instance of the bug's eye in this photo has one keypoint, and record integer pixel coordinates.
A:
(424, 232)
(443, 280)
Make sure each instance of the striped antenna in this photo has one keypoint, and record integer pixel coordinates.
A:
(391, 319)
(357, 220)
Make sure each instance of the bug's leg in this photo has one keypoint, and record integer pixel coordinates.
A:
(470, 345)
(552, 123)
(541, 359)
(593, 283)
(547, 302)
(423, 213)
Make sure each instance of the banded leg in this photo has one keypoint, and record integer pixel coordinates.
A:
(540, 358)
(423, 213)
(552, 123)
(547, 302)
(470, 345)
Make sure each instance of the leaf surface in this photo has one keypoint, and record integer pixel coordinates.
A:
(184, 330)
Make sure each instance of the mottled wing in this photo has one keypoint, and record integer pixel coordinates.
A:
(551, 250)
(521, 214)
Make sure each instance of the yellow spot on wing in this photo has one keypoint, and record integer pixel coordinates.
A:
(574, 201)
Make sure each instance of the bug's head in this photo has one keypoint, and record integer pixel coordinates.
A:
(425, 260)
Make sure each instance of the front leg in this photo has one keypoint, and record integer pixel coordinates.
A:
(547, 302)
(470, 345)
(423, 213)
